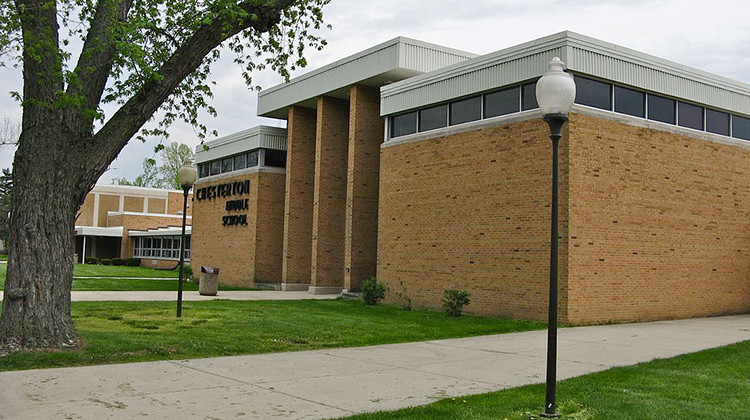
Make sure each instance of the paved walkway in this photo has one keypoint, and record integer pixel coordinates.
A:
(332, 383)
(193, 296)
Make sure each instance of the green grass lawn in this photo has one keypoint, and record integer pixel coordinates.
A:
(712, 384)
(117, 285)
(96, 270)
(3, 257)
(118, 332)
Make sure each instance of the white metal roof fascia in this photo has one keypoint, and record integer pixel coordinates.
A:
(242, 141)
(115, 231)
(131, 190)
(170, 231)
(391, 56)
(135, 213)
(581, 54)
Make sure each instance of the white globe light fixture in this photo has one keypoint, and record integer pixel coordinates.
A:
(186, 175)
(555, 93)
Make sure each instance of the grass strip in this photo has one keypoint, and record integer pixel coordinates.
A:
(711, 384)
(120, 332)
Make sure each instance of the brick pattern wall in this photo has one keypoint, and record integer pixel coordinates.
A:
(107, 203)
(230, 248)
(174, 203)
(471, 211)
(156, 205)
(329, 202)
(269, 243)
(365, 137)
(660, 224)
(86, 212)
(298, 198)
(134, 204)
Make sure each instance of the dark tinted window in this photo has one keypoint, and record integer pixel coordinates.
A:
(660, 109)
(593, 93)
(239, 162)
(216, 167)
(466, 110)
(717, 122)
(432, 118)
(203, 170)
(226, 165)
(629, 101)
(740, 127)
(503, 102)
(528, 97)
(275, 158)
(690, 116)
(404, 124)
(252, 159)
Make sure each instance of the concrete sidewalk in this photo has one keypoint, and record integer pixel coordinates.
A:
(339, 382)
(193, 296)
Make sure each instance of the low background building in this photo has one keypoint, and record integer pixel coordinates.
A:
(113, 216)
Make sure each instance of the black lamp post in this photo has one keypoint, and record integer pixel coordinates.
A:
(187, 175)
(555, 93)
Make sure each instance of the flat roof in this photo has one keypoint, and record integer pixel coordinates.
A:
(581, 54)
(242, 141)
(391, 61)
(115, 231)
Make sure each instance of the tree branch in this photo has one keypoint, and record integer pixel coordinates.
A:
(125, 123)
(96, 60)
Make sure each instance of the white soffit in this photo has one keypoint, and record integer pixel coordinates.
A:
(581, 54)
(393, 60)
(242, 141)
(115, 231)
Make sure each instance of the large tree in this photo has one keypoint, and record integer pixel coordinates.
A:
(142, 56)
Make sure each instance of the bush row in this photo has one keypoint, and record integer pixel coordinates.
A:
(373, 291)
(130, 262)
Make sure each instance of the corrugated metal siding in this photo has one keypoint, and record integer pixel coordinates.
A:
(492, 75)
(253, 138)
(652, 78)
(424, 59)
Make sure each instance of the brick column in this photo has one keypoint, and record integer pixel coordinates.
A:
(298, 199)
(329, 207)
(365, 136)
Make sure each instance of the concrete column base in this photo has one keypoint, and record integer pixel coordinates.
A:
(268, 286)
(294, 287)
(324, 290)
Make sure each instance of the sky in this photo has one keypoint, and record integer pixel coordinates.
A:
(709, 35)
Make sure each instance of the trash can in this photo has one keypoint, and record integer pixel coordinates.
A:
(209, 281)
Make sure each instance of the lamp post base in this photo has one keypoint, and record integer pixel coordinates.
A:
(549, 416)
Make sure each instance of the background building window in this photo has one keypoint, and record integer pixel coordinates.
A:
(740, 127)
(404, 124)
(252, 159)
(593, 93)
(689, 115)
(203, 170)
(215, 167)
(661, 109)
(275, 158)
(506, 101)
(528, 97)
(466, 110)
(239, 162)
(432, 118)
(717, 122)
(226, 165)
(630, 102)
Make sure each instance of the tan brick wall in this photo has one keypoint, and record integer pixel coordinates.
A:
(175, 202)
(660, 224)
(141, 222)
(107, 203)
(86, 212)
(471, 211)
(365, 137)
(269, 243)
(230, 248)
(329, 202)
(156, 205)
(298, 199)
(134, 204)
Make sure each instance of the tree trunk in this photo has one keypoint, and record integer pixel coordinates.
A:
(36, 305)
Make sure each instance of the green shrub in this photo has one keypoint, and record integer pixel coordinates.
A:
(403, 296)
(118, 261)
(187, 272)
(92, 260)
(133, 262)
(454, 301)
(105, 261)
(373, 291)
